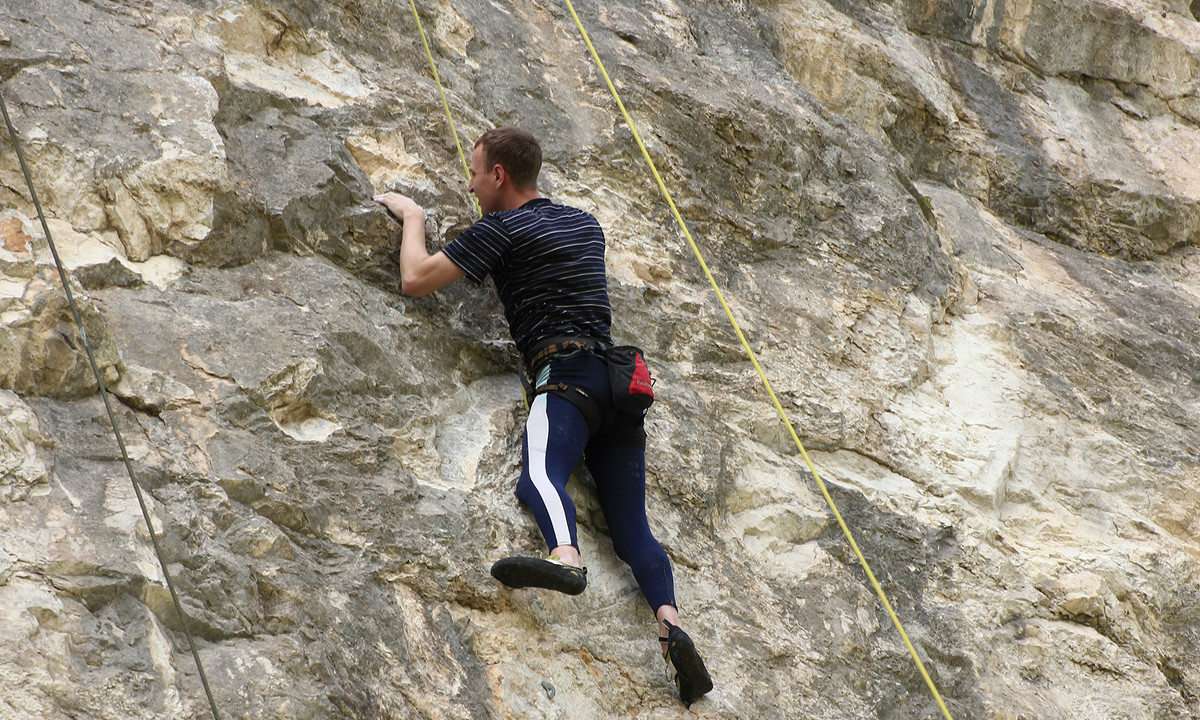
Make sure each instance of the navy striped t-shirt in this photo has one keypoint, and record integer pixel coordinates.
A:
(548, 264)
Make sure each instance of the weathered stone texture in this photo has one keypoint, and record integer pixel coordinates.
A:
(962, 238)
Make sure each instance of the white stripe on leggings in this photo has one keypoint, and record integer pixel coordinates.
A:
(537, 430)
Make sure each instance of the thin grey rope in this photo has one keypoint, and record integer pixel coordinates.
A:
(104, 394)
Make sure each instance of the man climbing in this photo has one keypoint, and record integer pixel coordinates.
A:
(547, 261)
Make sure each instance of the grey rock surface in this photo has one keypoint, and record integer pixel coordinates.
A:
(962, 238)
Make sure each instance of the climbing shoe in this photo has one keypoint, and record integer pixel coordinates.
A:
(684, 666)
(551, 574)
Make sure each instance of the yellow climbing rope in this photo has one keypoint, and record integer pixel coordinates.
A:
(762, 375)
(445, 105)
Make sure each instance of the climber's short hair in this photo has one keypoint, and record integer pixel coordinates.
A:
(515, 150)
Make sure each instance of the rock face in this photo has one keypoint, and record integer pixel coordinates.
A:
(963, 238)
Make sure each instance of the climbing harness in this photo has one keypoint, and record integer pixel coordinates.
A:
(762, 375)
(577, 395)
(542, 351)
(112, 418)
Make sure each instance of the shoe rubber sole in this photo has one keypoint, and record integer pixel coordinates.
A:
(691, 677)
(522, 572)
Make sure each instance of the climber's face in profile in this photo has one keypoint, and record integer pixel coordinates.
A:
(485, 181)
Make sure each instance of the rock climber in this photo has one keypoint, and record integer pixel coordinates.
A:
(547, 261)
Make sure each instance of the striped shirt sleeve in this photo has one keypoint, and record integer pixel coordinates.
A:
(480, 249)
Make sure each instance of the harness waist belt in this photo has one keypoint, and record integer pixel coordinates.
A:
(552, 346)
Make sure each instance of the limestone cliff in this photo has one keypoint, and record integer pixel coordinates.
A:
(963, 238)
